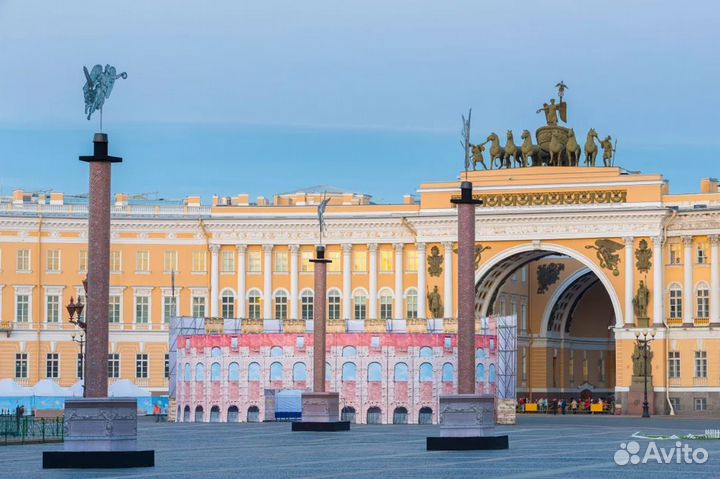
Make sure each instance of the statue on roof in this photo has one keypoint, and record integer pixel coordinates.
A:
(98, 86)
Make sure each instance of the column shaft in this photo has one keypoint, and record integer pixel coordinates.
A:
(448, 286)
(658, 282)
(372, 282)
(714, 281)
(319, 320)
(294, 250)
(687, 282)
(398, 309)
(214, 280)
(267, 281)
(241, 302)
(347, 281)
(629, 282)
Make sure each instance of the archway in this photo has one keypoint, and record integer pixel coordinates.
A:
(232, 414)
(400, 415)
(199, 414)
(253, 414)
(348, 414)
(425, 415)
(374, 415)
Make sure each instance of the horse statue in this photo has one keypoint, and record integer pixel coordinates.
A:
(496, 151)
(529, 151)
(591, 149)
(555, 148)
(572, 149)
(512, 152)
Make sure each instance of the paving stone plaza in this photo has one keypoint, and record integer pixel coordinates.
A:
(540, 446)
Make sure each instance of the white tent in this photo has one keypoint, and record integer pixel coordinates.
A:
(47, 387)
(125, 388)
(9, 388)
(77, 389)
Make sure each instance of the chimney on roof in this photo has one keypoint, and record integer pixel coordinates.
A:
(242, 199)
(261, 201)
(709, 185)
(121, 199)
(57, 199)
(18, 197)
(192, 201)
(408, 200)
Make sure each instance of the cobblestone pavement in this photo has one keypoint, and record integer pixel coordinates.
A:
(540, 446)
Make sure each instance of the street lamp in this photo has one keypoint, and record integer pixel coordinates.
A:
(80, 339)
(73, 309)
(644, 343)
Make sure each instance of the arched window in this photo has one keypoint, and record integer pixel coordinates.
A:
(480, 373)
(232, 414)
(386, 304)
(348, 414)
(228, 304)
(276, 372)
(360, 305)
(215, 414)
(491, 374)
(306, 305)
(426, 352)
(374, 415)
(448, 373)
(374, 372)
(216, 353)
(401, 372)
(299, 372)
(328, 372)
(411, 298)
(253, 414)
(479, 353)
(253, 372)
(333, 304)
(349, 372)
(276, 352)
(199, 414)
(186, 413)
(702, 294)
(199, 372)
(281, 305)
(188, 372)
(400, 415)
(349, 352)
(426, 372)
(675, 301)
(254, 307)
(215, 372)
(425, 416)
(233, 372)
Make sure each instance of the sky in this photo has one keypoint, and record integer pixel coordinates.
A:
(263, 97)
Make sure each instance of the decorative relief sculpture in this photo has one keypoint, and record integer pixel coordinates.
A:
(547, 275)
(435, 303)
(553, 198)
(638, 360)
(643, 256)
(641, 301)
(479, 248)
(435, 260)
(606, 254)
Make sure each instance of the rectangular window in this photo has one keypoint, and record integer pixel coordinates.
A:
(412, 306)
(53, 309)
(585, 369)
(141, 366)
(386, 261)
(306, 306)
(386, 307)
(22, 308)
(254, 306)
(700, 404)
(675, 253)
(80, 366)
(281, 307)
(701, 256)
(199, 262)
(254, 264)
(571, 366)
(524, 365)
(227, 263)
(21, 365)
(167, 366)
(674, 364)
(198, 306)
(703, 303)
(523, 274)
(675, 402)
(360, 301)
(169, 308)
(700, 364)
(114, 309)
(227, 307)
(82, 261)
(514, 278)
(52, 365)
(170, 261)
(114, 365)
(523, 317)
(281, 262)
(360, 261)
(142, 309)
(23, 260)
(115, 261)
(305, 265)
(602, 367)
(142, 262)
(411, 260)
(335, 265)
(334, 306)
(675, 303)
(53, 261)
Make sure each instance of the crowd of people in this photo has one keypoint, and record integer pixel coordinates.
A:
(564, 406)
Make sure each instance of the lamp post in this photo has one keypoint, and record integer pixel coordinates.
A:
(80, 339)
(74, 309)
(644, 343)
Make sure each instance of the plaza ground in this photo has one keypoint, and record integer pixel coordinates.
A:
(540, 446)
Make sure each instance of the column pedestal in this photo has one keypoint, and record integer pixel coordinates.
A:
(467, 422)
(321, 412)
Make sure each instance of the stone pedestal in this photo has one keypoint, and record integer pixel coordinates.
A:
(467, 422)
(506, 412)
(321, 412)
(636, 396)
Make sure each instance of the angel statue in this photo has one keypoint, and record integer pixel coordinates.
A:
(98, 86)
(322, 206)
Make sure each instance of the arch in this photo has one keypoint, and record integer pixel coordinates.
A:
(276, 371)
(186, 413)
(525, 254)
(480, 353)
(374, 372)
(358, 291)
(227, 303)
(233, 414)
(254, 299)
(545, 324)
(199, 372)
(276, 352)
(188, 372)
(425, 352)
(349, 352)
(374, 415)
(253, 292)
(480, 373)
(215, 372)
(448, 372)
(253, 414)
(400, 415)
(348, 414)
(400, 372)
(299, 372)
(491, 374)
(199, 414)
(334, 292)
(215, 414)
(216, 352)
(280, 292)
(426, 372)
(349, 371)
(425, 415)
(254, 372)
(233, 372)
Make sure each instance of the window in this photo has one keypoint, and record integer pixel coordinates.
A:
(585, 371)
(281, 262)
(513, 308)
(386, 261)
(401, 372)
(22, 308)
(305, 265)
(523, 376)
(199, 261)
(675, 253)
(228, 305)
(334, 304)
(82, 299)
(523, 274)
(113, 365)
(52, 365)
(169, 308)
(116, 262)
(80, 365)
(386, 305)
(306, 305)
(21, 366)
(276, 372)
(703, 301)
(349, 372)
(360, 261)
(411, 261)
(491, 374)
(142, 309)
(170, 261)
(299, 372)
(675, 302)
(281, 305)
(114, 309)
(360, 305)
(602, 367)
(254, 372)
(349, 352)
(227, 261)
(52, 309)
(23, 260)
(700, 404)
(234, 372)
(335, 265)
(254, 305)
(412, 303)
(53, 261)
(198, 306)
(448, 373)
(675, 403)
(82, 261)
(374, 372)
(523, 317)
(141, 366)
(571, 366)
(253, 264)
(701, 256)
(700, 364)
(142, 262)
(215, 372)
(426, 372)
(674, 364)
(167, 366)
(514, 278)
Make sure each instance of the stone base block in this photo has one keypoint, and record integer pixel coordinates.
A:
(320, 407)
(97, 459)
(100, 424)
(467, 443)
(506, 411)
(467, 415)
(321, 426)
(635, 403)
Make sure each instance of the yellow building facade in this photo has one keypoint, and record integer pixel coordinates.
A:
(565, 249)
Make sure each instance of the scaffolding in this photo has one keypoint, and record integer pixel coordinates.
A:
(507, 356)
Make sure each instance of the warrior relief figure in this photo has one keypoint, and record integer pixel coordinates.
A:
(608, 151)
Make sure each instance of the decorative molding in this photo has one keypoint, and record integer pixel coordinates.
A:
(552, 198)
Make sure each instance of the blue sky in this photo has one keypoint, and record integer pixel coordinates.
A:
(226, 97)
